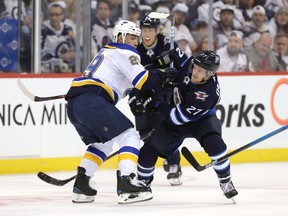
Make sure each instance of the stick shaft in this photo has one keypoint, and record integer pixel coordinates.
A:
(34, 97)
(191, 159)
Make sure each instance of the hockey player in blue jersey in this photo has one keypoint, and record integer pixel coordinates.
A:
(91, 101)
(152, 49)
(191, 113)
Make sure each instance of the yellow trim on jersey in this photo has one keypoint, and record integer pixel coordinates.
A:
(142, 81)
(111, 47)
(128, 156)
(92, 82)
(93, 158)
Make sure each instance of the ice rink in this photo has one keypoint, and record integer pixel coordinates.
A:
(262, 187)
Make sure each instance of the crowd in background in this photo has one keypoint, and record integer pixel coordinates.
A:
(249, 35)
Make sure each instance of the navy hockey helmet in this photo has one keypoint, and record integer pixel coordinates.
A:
(149, 22)
(208, 60)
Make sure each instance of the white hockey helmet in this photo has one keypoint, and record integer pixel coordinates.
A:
(125, 27)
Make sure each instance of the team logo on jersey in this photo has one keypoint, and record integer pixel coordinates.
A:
(150, 52)
(201, 95)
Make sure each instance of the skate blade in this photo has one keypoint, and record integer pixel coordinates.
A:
(233, 200)
(175, 181)
(81, 198)
(127, 198)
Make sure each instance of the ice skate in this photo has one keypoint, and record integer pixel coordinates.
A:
(175, 175)
(228, 188)
(82, 191)
(131, 190)
(165, 165)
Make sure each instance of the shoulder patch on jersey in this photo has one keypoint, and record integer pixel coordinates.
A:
(166, 40)
(201, 95)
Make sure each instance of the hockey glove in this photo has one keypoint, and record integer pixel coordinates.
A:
(170, 76)
(165, 58)
(149, 102)
(136, 106)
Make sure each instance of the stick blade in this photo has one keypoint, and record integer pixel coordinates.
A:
(50, 180)
(190, 158)
(25, 90)
(157, 15)
(33, 97)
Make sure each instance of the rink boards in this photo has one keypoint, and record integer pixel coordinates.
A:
(38, 135)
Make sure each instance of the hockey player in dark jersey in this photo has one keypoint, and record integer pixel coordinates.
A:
(191, 113)
(152, 46)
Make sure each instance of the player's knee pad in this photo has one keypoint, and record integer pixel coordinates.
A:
(106, 147)
(213, 144)
(129, 137)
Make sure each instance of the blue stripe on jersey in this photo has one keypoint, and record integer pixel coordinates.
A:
(97, 152)
(178, 118)
(129, 149)
(224, 164)
(114, 45)
(140, 79)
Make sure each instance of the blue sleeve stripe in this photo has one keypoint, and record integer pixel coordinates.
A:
(181, 114)
(140, 79)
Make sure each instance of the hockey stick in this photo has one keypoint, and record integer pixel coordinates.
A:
(36, 98)
(191, 159)
(58, 182)
(157, 15)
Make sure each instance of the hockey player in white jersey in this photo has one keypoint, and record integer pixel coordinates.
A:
(114, 71)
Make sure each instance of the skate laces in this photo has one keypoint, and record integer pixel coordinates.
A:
(174, 168)
(227, 186)
(133, 180)
(92, 184)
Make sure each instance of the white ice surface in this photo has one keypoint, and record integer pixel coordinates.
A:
(262, 187)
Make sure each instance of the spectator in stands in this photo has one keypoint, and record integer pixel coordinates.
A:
(204, 45)
(180, 11)
(203, 12)
(279, 23)
(193, 12)
(58, 41)
(280, 50)
(257, 25)
(134, 12)
(238, 19)
(232, 60)
(199, 30)
(224, 26)
(246, 6)
(165, 25)
(116, 10)
(26, 38)
(261, 56)
(102, 26)
(272, 6)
